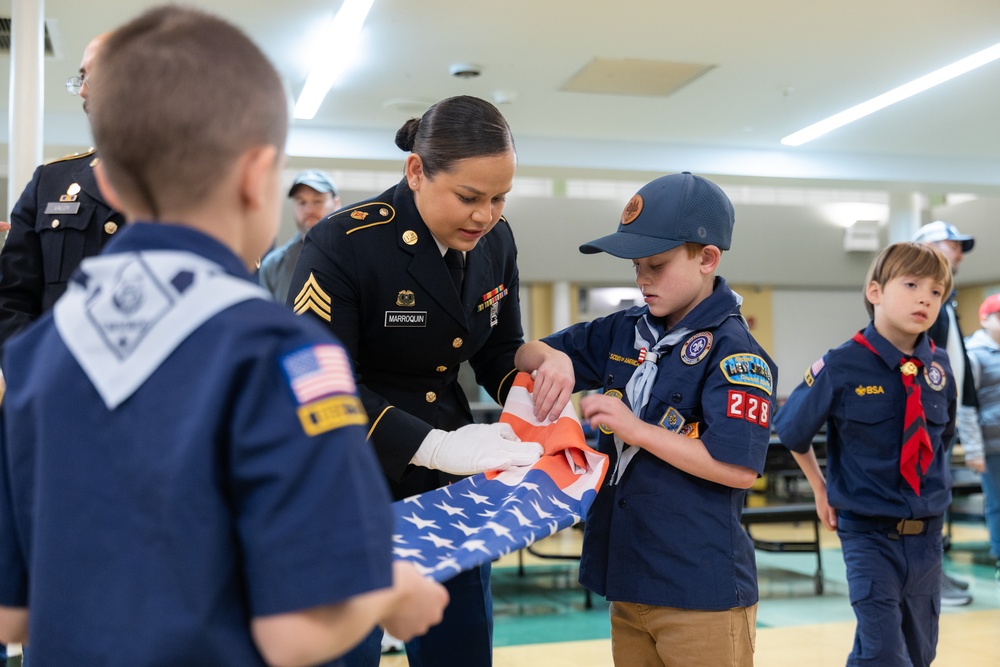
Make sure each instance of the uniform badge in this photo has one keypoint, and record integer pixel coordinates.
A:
(317, 371)
(312, 298)
(935, 377)
(96, 161)
(62, 208)
(409, 237)
(383, 212)
(359, 215)
(672, 420)
(494, 315)
(406, 298)
(492, 298)
(813, 371)
(613, 393)
(322, 382)
(632, 209)
(747, 369)
(73, 189)
(112, 227)
(749, 407)
(696, 347)
(67, 198)
(690, 430)
(405, 318)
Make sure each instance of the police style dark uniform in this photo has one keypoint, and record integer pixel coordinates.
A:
(661, 536)
(226, 507)
(60, 218)
(373, 273)
(893, 569)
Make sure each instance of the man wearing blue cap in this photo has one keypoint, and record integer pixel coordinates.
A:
(684, 412)
(947, 335)
(314, 196)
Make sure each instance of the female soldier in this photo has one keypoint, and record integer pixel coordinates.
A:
(413, 283)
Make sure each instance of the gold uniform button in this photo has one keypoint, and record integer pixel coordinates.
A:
(441, 369)
(431, 397)
(457, 343)
(55, 224)
(110, 227)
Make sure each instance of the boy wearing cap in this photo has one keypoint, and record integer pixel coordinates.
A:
(887, 398)
(314, 196)
(979, 430)
(684, 413)
(206, 495)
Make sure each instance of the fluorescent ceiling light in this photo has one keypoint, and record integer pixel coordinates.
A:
(895, 95)
(338, 49)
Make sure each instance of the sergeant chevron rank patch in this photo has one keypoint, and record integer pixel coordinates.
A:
(312, 298)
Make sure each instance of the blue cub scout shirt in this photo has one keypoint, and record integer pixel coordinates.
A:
(662, 536)
(233, 481)
(860, 397)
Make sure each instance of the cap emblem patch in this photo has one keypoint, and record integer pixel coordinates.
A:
(632, 209)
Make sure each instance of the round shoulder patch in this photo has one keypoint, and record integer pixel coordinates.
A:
(632, 209)
(696, 347)
(935, 377)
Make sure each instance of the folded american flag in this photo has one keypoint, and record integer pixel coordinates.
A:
(457, 527)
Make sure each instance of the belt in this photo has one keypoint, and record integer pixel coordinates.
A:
(890, 526)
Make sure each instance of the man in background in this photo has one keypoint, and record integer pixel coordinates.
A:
(314, 196)
(946, 334)
(60, 218)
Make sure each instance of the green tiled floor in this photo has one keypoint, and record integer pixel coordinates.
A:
(547, 605)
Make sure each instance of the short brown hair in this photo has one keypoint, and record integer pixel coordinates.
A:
(176, 95)
(908, 259)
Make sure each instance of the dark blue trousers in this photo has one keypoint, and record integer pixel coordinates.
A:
(464, 637)
(895, 588)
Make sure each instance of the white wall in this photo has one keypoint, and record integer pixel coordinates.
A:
(807, 323)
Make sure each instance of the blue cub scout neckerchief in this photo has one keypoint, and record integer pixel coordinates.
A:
(650, 341)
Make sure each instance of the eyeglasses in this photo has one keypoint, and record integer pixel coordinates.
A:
(75, 83)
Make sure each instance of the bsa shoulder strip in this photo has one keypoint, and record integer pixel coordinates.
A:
(367, 215)
(72, 156)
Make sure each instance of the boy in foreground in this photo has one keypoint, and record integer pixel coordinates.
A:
(684, 412)
(184, 473)
(888, 398)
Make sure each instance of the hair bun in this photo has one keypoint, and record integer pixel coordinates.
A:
(406, 135)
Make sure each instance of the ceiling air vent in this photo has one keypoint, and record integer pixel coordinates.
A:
(654, 78)
(5, 37)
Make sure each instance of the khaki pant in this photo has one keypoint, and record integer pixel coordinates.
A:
(646, 636)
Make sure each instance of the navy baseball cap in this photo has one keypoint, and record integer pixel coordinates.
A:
(315, 179)
(939, 230)
(668, 212)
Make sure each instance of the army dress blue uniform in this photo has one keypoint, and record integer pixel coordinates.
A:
(661, 536)
(374, 274)
(212, 490)
(59, 219)
(894, 579)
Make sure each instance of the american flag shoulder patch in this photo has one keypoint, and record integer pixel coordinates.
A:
(814, 370)
(318, 371)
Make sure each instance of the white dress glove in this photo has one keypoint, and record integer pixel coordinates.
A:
(475, 448)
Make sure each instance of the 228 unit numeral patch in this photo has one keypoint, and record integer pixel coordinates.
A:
(750, 407)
